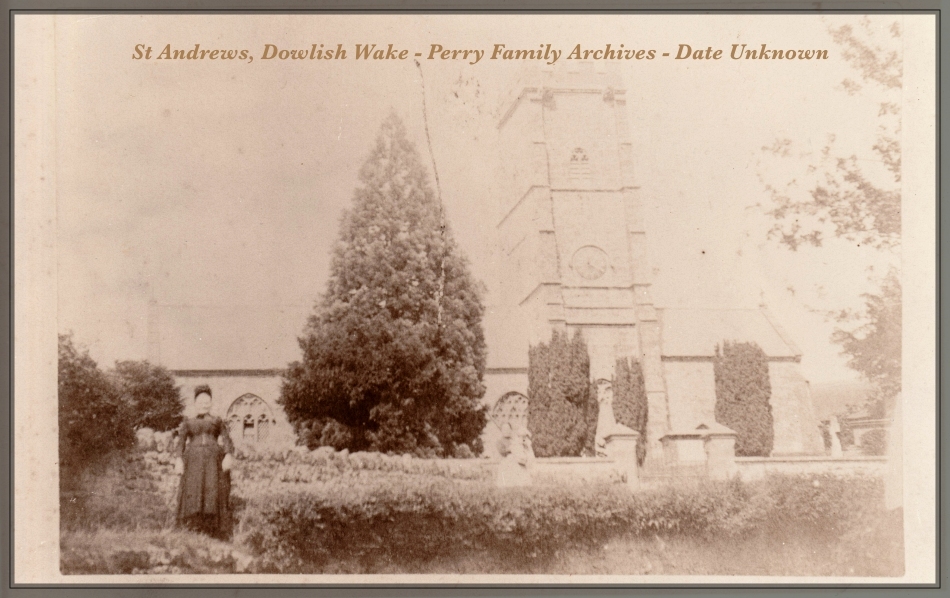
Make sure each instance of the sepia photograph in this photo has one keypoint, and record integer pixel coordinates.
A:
(482, 298)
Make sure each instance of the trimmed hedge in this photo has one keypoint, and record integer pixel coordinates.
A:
(743, 391)
(413, 520)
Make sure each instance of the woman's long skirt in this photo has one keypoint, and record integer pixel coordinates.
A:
(204, 492)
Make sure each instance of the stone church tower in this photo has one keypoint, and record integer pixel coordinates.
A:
(572, 255)
(573, 244)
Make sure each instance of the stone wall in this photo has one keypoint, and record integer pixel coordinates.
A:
(691, 388)
(751, 468)
(575, 470)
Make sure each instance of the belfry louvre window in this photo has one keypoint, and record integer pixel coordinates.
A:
(579, 165)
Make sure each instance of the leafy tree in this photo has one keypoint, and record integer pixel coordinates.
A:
(857, 198)
(849, 196)
(630, 401)
(93, 420)
(394, 353)
(150, 395)
(743, 391)
(562, 407)
(874, 346)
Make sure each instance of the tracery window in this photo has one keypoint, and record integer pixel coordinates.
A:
(512, 408)
(250, 419)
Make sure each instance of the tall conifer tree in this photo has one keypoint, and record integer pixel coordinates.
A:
(630, 401)
(743, 391)
(562, 404)
(394, 353)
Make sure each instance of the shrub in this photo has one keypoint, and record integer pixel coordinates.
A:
(874, 442)
(630, 401)
(121, 492)
(93, 420)
(743, 391)
(151, 398)
(562, 407)
(407, 521)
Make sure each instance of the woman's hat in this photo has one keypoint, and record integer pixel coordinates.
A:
(202, 388)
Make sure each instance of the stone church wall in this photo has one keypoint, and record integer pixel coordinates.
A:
(226, 388)
(796, 427)
(691, 388)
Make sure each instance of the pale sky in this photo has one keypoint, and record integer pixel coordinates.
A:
(209, 182)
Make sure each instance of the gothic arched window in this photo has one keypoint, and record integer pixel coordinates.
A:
(250, 419)
(512, 408)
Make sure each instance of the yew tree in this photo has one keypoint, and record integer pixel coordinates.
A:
(630, 401)
(743, 393)
(562, 403)
(394, 352)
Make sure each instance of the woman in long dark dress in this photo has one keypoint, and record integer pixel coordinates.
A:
(204, 464)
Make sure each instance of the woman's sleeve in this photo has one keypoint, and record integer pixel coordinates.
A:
(226, 437)
(182, 438)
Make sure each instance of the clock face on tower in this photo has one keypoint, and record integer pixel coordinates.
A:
(590, 262)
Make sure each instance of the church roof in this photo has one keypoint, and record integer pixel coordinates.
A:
(194, 337)
(234, 337)
(696, 332)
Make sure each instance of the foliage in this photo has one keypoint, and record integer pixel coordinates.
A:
(121, 552)
(630, 401)
(874, 346)
(337, 512)
(151, 398)
(120, 492)
(93, 420)
(265, 472)
(417, 520)
(847, 198)
(857, 198)
(743, 391)
(394, 352)
(874, 442)
(562, 407)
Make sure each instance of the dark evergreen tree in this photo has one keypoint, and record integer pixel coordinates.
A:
(150, 395)
(394, 354)
(93, 420)
(562, 408)
(743, 391)
(630, 401)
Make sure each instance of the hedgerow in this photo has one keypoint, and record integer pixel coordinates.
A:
(411, 520)
(350, 513)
